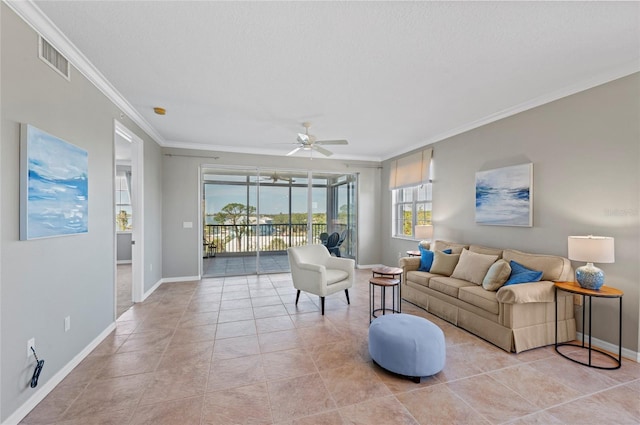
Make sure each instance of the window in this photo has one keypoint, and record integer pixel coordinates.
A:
(411, 206)
(123, 202)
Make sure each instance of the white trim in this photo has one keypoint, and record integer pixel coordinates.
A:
(368, 266)
(180, 279)
(611, 348)
(261, 151)
(153, 288)
(123, 262)
(41, 23)
(34, 17)
(614, 74)
(41, 393)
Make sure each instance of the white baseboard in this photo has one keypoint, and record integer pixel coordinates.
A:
(368, 266)
(150, 291)
(180, 279)
(611, 348)
(41, 393)
(123, 262)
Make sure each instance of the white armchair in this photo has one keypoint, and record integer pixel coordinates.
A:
(315, 271)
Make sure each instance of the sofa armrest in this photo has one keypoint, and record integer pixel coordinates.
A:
(533, 292)
(409, 264)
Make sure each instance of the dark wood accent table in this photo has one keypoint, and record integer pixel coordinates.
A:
(603, 292)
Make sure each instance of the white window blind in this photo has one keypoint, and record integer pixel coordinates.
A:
(410, 170)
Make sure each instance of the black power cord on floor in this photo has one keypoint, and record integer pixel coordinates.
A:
(38, 369)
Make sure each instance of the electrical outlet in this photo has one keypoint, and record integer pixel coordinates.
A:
(150, 267)
(577, 299)
(67, 323)
(31, 343)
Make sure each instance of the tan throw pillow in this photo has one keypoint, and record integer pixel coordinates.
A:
(497, 275)
(444, 263)
(473, 267)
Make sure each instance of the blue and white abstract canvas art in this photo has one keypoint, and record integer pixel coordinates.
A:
(504, 196)
(54, 186)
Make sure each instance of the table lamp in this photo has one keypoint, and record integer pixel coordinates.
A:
(424, 232)
(592, 249)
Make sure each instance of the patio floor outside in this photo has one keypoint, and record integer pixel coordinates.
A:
(236, 265)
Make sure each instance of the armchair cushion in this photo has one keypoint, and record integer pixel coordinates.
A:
(334, 276)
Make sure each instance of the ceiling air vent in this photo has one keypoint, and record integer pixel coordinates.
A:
(54, 58)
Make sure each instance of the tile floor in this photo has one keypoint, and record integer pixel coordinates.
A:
(238, 351)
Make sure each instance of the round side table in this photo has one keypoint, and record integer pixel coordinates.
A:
(392, 273)
(603, 292)
(383, 283)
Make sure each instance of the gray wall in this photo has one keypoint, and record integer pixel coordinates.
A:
(182, 196)
(585, 151)
(43, 281)
(153, 198)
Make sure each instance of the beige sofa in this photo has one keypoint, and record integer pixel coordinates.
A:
(515, 317)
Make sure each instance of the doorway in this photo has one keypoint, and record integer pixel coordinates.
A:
(251, 216)
(128, 219)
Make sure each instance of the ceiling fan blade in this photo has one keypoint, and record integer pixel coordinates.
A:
(293, 151)
(331, 142)
(323, 151)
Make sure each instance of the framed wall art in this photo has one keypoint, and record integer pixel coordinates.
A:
(504, 196)
(54, 186)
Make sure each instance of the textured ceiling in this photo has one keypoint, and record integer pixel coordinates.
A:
(387, 76)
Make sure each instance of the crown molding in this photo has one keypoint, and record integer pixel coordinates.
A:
(606, 77)
(257, 151)
(29, 12)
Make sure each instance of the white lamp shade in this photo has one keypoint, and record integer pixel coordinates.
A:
(424, 231)
(591, 249)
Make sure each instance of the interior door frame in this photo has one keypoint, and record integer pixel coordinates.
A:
(137, 207)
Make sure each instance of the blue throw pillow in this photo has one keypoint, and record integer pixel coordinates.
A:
(521, 274)
(426, 258)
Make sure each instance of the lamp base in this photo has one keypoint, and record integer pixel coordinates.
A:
(590, 277)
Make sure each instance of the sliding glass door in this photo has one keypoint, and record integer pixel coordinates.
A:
(250, 217)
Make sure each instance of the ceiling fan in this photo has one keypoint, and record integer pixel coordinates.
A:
(308, 142)
(275, 177)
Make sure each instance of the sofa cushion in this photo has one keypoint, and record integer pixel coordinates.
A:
(426, 258)
(421, 278)
(456, 248)
(473, 266)
(486, 250)
(448, 285)
(479, 297)
(553, 268)
(497, 275)
(444, 263)
(521, 274)
(424, 244)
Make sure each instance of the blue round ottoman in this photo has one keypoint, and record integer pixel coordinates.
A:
(407, 345)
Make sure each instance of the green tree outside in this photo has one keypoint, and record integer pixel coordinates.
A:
(237, 215)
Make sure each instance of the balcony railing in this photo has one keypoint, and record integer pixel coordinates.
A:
(228, 238)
